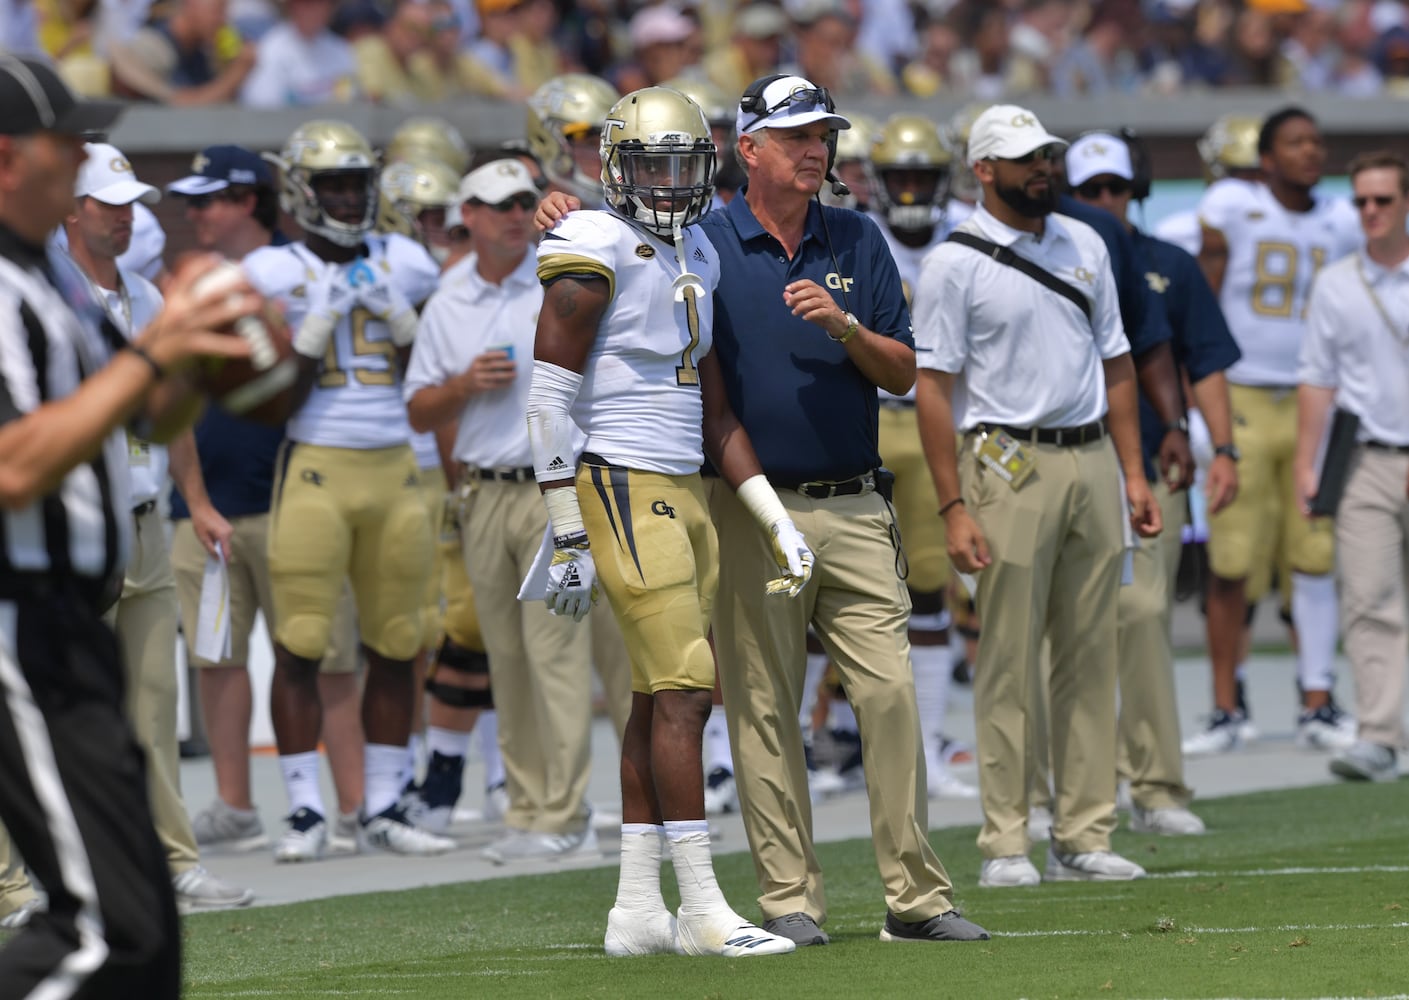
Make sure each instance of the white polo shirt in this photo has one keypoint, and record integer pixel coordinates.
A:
(146, 462)
(464, 318)
(1023, 354)
(1348, 345)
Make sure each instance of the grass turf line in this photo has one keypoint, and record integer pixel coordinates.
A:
(1222, 933)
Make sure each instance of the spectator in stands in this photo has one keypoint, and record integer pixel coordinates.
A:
(536, 52)
(931, 73)
(19, 28)
(387, 59)
(988, 68)
(1099, 64)
(827, 54)
(301, 62)
(755, 51)
(498, 23)
(190, 57)
(660, 48)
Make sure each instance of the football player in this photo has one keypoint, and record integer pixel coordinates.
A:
(909, 181)
(347, 502)
(1262, 243)
(564, 131)
(850, 165)
(426, 138)
(1227, 149)
(623, 351)
(415, 195)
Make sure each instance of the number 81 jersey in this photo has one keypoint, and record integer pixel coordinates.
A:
(356, 400)
(640, 402)
(1273, 257)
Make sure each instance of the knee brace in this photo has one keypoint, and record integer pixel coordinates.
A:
(463, 661)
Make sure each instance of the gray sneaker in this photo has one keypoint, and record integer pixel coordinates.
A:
(197, 889)
(346, 835)
(798, 927)
(221, 825)
(528, 845)
(1365, 761)
(948, 926)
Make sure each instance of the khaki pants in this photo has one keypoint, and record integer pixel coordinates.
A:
(15, 889)
(1148, 753)
(860, 610)
(1057, 553)
(145, 621)
(1372, 531)
(538, 662)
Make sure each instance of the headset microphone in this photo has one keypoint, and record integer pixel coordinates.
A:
(839, 188)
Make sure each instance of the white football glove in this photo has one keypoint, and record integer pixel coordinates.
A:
(330, 298)
(794, 558)
(380, 297)
(572, 578)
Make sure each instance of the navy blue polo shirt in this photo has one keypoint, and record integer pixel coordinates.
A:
(237, 458)
(811, 413)
(1202, 343)
(1141, 311)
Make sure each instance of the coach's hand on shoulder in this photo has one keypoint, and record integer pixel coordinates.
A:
(572, 578)
(793, 556)
(968, 548)
(330, 298)
(1145, 516)
(554, 208)
(195, 323)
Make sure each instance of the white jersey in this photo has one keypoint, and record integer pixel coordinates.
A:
(356, 399)
(1273, 257)
(1183, 230)
(640, 401)
(907, 261)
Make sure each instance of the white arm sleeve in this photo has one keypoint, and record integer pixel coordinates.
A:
(550, 435)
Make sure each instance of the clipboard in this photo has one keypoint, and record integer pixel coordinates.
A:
(1335, 467)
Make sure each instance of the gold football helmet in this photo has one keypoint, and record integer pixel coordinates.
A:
(962, 182)
(415, 195)
(718, 109)
(564, 116)
(320, 149)
(910, 172)
(1230, 144)
(658, 160)
(425, 138)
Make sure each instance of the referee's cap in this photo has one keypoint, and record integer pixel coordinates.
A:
(1006, 132)
(34, 99)
(1098, 153)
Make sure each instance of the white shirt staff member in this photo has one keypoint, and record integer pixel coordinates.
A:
(1037, 384)
(1355, 355)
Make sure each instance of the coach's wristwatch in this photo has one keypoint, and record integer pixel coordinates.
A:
(1181, 425)
(1231, 450)
(851, 325)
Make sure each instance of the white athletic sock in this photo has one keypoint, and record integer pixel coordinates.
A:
(382, 768)
(301, 781)
(487, 731)
(638, 887)
(934, 674)
(700, 894)
(811, 680)
(716, 741)
(447, 742)
(1314, 615)
(411, 766)
(843, 718)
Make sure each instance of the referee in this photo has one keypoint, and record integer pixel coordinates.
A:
(72, 785)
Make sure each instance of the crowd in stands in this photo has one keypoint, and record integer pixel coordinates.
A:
(273, 53)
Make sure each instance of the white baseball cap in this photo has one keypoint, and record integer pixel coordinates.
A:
(1096, 154)
(787, 102)
(1006, 132)
(107, 176)
(496, 181)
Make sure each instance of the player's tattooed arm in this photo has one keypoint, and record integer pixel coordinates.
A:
(573, 306)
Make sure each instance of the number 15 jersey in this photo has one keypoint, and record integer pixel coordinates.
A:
(640, 402)
(1273, 257)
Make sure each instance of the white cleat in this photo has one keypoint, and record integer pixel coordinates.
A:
(306, 839)
(1011, 872)
(1326, 728)
(720, 794)
(944, 785)
(1090, 866)
(648, 933)
(389, 830)
(729, 935)
(1175, 821)
(1223, 735)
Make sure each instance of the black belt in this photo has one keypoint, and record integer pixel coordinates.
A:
(1398, 449)
(856, 485)
(1062, 437)
(522, 474)
(145, 508)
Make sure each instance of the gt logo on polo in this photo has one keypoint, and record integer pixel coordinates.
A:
(1082, 274)
(835, 280)
(662, 509)
(1023, 121)
(1157, 281)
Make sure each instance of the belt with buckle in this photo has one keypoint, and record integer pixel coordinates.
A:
(1398, 449)
(143, 509)
(522, 474)
(855, 486)
(1062, 437)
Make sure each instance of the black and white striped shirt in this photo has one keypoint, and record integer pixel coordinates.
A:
(51, 338)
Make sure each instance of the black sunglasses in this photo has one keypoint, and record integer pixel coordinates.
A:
(524, 200)
(1047, 153)
(1380, 200)
(1091, 190)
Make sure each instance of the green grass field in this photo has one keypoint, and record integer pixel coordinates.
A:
(1299, 893)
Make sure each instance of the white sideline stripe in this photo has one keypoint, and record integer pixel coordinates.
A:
(1276, 928)
(37, 752)
(1260, 872)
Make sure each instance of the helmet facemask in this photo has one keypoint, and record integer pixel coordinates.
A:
(665, 183)
(909, 197)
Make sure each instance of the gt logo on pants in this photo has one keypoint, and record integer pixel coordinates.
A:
(663, 509)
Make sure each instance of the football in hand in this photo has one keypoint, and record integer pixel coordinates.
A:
(260, 387)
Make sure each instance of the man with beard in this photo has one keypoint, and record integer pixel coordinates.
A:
(1037, 375)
